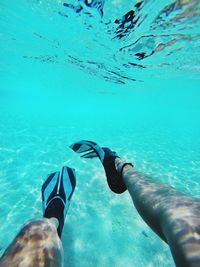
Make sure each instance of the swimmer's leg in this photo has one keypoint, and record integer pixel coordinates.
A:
(38, 242)
(175, 217)
(36, 245)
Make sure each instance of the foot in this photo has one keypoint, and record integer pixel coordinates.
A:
(114, 177)
(57, 191)
(107, 157)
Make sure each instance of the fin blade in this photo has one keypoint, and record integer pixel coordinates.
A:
(90, 155)
(49, 187)
(67, 183)
(82, 146)
(88, 146)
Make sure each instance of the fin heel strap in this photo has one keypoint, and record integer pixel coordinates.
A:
(125, 164)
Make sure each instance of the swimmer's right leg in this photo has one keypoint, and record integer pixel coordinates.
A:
(173, 216)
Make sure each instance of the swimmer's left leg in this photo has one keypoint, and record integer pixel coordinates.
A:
(36, 245)
(38, 242)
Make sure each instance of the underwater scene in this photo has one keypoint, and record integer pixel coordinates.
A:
(122, 73)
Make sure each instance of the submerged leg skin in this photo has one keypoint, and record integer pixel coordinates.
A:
(36, 245)
(173, 216)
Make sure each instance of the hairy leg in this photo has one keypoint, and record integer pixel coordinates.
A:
(173, 216)
(36, 245)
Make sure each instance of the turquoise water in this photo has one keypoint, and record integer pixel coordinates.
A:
(65, 76)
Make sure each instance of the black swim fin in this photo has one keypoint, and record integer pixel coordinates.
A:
(57, 191)
(89, 149)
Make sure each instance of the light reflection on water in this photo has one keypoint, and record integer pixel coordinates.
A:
(130, 42)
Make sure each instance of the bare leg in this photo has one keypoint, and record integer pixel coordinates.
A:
(173, 216)
(36, 245)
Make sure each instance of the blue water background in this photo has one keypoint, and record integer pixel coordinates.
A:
(47, 105)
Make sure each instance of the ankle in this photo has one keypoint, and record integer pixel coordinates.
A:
(119, 164)
(122, 165)
(54, 221)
